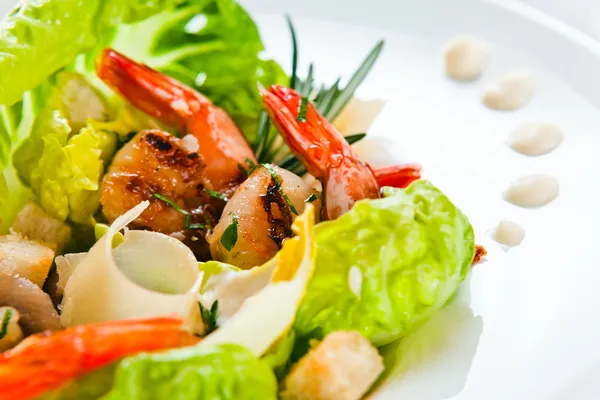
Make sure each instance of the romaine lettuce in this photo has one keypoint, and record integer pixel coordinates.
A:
(64, 171)
(387, 265)
(219, 372)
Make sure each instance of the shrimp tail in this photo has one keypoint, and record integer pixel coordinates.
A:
(316, 142)
(154, 93)
(322, 150)
(47, 361)
(398, 176)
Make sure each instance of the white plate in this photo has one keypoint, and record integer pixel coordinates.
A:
(526, 323)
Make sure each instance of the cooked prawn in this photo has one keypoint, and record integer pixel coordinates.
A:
(323, 151)
(264, 218)
(399, 176)
(221, 144)
(157, 163)
(47, 361)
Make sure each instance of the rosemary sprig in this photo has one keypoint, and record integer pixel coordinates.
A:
(359, 76)
(329, 101)
(294, 77)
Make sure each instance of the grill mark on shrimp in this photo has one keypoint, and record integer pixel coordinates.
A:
(279, 217)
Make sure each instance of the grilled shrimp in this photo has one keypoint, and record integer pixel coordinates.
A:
(157, 163)
(222, 146)
(47, 361)
(264, 217)
(323, 151)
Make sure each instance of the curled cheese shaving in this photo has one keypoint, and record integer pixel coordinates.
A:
(148, 275)
(268, 315)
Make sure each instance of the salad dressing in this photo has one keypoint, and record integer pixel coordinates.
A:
(508, 233)
(510, 92)
(532, 191)
(466, 58)
(535, 138)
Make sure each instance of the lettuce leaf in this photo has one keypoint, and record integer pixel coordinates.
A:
(210, 45)
(219, 372)
(387, 265)
(64, 170)
(43, 36)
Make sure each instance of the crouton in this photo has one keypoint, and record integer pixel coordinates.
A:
(27, 258)
(36, 224)
(10, 331)
(342, 367)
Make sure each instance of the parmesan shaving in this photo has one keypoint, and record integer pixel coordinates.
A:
(148, 275)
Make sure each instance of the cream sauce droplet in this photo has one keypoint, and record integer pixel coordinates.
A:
(535, 138)
(466, 58)
(511, 91)
(532, 191)
(509, 233)
(355, 280)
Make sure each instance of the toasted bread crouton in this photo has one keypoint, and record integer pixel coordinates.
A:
(342, 367)
(10, 331)
(36, 224)
(27, 258)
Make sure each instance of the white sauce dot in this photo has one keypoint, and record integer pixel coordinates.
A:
(511, 91)
(535, 138)
(355, 280)
(466, 58)
(509, 233)
(532, 191)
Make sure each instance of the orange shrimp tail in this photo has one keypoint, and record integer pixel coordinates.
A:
(398, 176)
(316, 142)
(156, 94)
(47, 361)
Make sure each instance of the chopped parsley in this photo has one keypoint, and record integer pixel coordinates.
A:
(188, 216)
(230, 236)
(4, 328)
(216, 195)
(311, 198)
(210, 316)
(277, 180)
(302, 109)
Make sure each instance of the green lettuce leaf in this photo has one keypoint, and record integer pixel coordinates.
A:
(387, 265)
(219, 372)
(42, 36)
(63, 166)
(210, 45)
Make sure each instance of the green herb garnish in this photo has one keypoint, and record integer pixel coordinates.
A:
(294, 77)
(277, 180)
(216, 195)
(188, 216)
(230, 236)
(210, 316)
(252, 166)
(302, 110)
(312, 198)
(242, 169)
(4, 329)
(329, 102)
